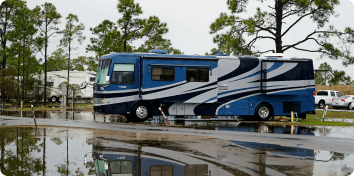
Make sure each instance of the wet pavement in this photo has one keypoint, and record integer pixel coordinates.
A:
(188, 148)
(68, 151)
(230, 124)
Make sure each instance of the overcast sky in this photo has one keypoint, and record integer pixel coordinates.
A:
(189, 21)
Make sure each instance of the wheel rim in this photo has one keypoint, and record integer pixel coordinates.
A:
(141, 112)
(263, 112)
(54, 99)
(350, 106)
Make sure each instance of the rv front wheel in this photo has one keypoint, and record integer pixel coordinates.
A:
(53, 99)
(141, 112)
(263, 112)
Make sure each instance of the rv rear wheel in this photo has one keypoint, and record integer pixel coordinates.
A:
(141, 112)
(53, 99)
(263, 112)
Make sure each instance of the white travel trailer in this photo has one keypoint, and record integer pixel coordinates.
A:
(54, 78)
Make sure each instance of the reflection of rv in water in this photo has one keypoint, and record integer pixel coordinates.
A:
(112, 158)
(54, 79)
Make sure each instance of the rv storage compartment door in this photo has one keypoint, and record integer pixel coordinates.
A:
(172, 110)
(180, 108)
(239, 107)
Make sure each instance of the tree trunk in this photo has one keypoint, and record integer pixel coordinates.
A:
(45, 63)
(125, 40)
(67, 86)
(279, 19)
(23, 70)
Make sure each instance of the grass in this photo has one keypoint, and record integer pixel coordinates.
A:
(333, 114)
(309, 121)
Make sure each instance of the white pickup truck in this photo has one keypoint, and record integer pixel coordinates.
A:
(324, 97)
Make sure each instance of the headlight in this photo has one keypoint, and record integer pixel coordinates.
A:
(103, 101)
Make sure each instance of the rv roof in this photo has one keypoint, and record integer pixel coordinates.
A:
(160, 56)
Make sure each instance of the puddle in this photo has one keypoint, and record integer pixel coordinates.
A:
(69, 115)
(243, 126)
(66, 151)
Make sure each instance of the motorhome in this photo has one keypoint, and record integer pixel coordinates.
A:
(111, 158)
(138, 84)
(55, 78)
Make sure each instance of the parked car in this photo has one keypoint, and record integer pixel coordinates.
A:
(324, 97)
(344, 101)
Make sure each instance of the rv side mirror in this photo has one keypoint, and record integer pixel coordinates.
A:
(88, 156)
(106, 165)
(107, 79)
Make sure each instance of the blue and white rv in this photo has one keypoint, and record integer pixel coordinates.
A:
(137, 84)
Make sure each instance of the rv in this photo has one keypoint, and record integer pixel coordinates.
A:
(111, 157)
(55, 78)
(138, 84)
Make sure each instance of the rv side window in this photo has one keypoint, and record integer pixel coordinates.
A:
(197, 75)
(92, 79)
(161, 170)
(162, 74)
(123, 74)
(195, 169)
(50, 84)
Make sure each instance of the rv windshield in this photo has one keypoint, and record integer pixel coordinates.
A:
(102, 71)
(99, 166)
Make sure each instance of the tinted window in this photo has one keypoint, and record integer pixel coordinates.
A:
(164, 170)
(197, 75)
(123, 74)
(339, 94)
(332, 94)
(195, 169)
(92, 79)
(322, 93)
(162, 74)
(302, 71)
(121, 167)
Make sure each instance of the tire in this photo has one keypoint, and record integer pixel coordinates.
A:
(53, 99)
(350, 106)
(141, 112)
(321, 104)
(263, 112)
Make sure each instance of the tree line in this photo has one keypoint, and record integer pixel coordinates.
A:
(25, 32)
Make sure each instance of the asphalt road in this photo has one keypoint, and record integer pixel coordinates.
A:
(344, 145)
